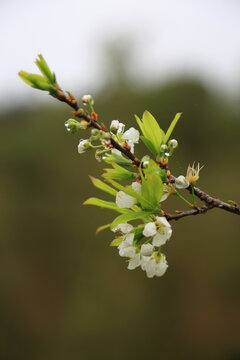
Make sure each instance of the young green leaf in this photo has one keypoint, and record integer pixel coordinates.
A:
(118, 159)
(144, 215)
(44, 68)
(101, 228)
(118, 173)
(105, 204)
(149, 145)
(116, 242)
(152, 132)
(171, 127)
(102, 186)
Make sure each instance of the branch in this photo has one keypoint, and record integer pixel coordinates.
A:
(210, 202)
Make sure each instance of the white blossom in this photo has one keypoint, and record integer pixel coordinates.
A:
(134, 262)
(121, 128)
(131, 135)
(116, 152)
(125, 228)
(114, 125)
(82, 146)
(87, 99)
(156, 267)
(124, 200)
(126, 248)
(164, 231)
(146, 249)
(137, 187)
(144, 261)
(150, 229)
(181, 182)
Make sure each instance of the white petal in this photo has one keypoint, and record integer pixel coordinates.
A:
(161, 267)
(116, 152)
(129, 239)
(151, 268)
(137, 187)
(134, 262)
(150, 229)
(162, 220)
(159, 240)
(125, 228)
(164, 197)
(144, 260)
(181, 182)
(124, 200)
(114, 124)
(129, 251)
(131, 135)
(146, 249)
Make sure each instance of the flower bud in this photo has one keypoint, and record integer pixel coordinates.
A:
(173, 143)
(87, 99)
(114, 125)
(83, 146)
(164, 148)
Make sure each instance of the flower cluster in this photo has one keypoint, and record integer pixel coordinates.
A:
(146, 254)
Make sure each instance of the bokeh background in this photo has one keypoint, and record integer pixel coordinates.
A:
(64, 293)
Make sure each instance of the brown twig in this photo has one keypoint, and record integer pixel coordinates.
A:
(210, 202)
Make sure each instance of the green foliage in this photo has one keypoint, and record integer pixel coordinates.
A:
(171, 127)
(46, 72)
(152, 186)
(116, 242)
(102, 186)
(118, 173)
(105, 204)
(47, 82)
(152, 133)
(101, 228)
(144, 215)
(118, 159)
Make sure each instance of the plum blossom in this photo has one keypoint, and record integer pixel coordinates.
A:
(132, 137)
(181, 182)
(156, 266)
(124, 200)
(83, 145)
(126, 248)
(164, 231)
(124, 228)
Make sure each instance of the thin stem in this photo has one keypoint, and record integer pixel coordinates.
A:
(181, 197)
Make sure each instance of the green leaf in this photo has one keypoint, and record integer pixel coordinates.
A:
(105, 204)
(138, 235)
(152, 186)
(131, 216)
(120, 160)
(118, 173)
(44, 68)
(171, 127)
(102, 186)
(101, 228)
(148, 144)
(151, 131)
(37, 82)
(116, 242)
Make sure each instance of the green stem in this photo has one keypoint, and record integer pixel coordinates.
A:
(185, 200)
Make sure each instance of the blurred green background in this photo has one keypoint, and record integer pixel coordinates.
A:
(64, 293)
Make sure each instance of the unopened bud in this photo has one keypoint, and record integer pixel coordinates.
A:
(83, 146)
(114, 125)
(173, 143)
(87, 99)
(164, 148)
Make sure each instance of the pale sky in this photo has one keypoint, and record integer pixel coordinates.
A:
(171, 37)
